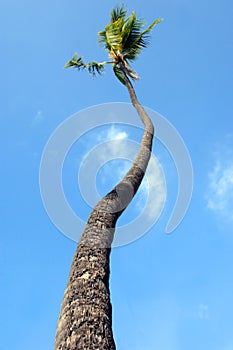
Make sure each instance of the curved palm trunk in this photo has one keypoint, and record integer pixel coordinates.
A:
(86, 314)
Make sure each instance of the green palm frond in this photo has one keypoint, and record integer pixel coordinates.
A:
(124, 36)
(137, 40)
(76, 61)
(113, 35)
(129, 27)
(92, 67)
(118, 12)
(132, 44)
(117, 20)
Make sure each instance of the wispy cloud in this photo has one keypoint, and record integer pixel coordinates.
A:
(220, 191)
(229, 346)
(163, 315)
(156, 187)
(203, 312)
(38, 118)
(219, 194)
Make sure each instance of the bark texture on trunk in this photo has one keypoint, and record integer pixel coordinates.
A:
(85, 320)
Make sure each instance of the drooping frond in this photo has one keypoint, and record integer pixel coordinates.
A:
(119, 74)
(95, 67)
(92, 67)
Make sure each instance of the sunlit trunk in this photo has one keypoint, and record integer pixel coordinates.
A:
(85, 320)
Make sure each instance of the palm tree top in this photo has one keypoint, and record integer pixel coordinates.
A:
(124, 39)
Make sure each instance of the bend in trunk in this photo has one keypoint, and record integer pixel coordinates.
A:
(86, 314)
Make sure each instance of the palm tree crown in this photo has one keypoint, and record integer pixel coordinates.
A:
(124, 39)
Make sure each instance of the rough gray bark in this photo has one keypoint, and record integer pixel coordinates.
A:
(85, 320)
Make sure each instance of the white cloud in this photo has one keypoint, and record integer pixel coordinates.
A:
(116, 135)
(220, 191)
(156, 187)
(113, 147)
(113, 133)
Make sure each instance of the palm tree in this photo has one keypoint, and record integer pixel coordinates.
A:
(85, 320)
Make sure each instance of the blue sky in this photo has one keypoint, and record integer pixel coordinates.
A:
(169, 292)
